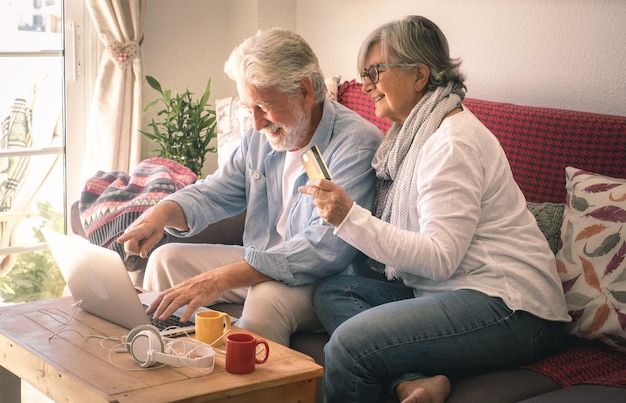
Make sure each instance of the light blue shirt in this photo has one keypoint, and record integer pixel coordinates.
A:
(252, 180)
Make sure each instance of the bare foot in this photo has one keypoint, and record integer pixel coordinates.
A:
(424, 390)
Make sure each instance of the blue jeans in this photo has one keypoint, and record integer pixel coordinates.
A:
(381, 335)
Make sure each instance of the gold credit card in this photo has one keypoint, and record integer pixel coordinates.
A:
(314, 164)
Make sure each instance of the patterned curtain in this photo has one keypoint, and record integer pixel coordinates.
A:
(113, 141)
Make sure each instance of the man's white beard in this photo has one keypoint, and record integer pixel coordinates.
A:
(292, 136)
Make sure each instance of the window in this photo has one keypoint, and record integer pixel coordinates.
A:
(42, 82)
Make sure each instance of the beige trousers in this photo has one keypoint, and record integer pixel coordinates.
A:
(271, 309)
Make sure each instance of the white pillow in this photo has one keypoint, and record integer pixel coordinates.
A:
(232, 122)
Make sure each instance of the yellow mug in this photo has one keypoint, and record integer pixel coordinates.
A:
(211, 327)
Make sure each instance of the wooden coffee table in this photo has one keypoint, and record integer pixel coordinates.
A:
(72, 367)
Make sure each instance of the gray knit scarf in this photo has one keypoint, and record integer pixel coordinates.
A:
(396, 157)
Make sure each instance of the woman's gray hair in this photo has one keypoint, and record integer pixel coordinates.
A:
(276, 58)
(412, 40)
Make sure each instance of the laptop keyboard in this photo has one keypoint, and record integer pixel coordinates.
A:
(171, 322)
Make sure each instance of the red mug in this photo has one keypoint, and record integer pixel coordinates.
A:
(241, 353)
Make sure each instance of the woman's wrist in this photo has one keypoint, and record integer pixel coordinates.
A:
(346, 218)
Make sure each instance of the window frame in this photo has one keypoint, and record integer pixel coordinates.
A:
(78, 56)
(81, 50)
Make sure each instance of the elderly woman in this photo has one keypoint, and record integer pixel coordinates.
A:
(471, 281)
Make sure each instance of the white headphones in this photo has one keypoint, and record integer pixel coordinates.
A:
(147, 347)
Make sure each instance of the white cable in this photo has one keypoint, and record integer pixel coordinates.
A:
(122, 347)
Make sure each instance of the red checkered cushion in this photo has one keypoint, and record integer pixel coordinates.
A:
(539, 142)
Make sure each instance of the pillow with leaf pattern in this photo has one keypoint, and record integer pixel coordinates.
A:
(591, 258)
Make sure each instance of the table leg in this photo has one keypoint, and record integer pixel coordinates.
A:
(11, 386)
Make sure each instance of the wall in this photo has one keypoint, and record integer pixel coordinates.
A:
(186, 43)
(558, 53)
(566, 54)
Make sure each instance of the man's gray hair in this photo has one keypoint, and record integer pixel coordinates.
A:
(276, 58)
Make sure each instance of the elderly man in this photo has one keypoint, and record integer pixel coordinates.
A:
(287, 248)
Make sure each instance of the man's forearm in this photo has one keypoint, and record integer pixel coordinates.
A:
(236, 275)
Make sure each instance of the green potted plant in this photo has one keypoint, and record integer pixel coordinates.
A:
(186, 128)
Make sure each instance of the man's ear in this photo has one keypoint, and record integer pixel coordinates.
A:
(306, 89)
(423, 73)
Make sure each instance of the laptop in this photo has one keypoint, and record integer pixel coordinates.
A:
(97, 278)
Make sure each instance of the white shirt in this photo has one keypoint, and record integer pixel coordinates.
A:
(291, 171)
(469, 227)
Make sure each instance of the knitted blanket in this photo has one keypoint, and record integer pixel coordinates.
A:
(111, 201)
(584, 363)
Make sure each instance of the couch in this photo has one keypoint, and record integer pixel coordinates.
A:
(540, 144)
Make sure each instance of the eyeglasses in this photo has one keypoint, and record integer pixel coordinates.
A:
(373, 72)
